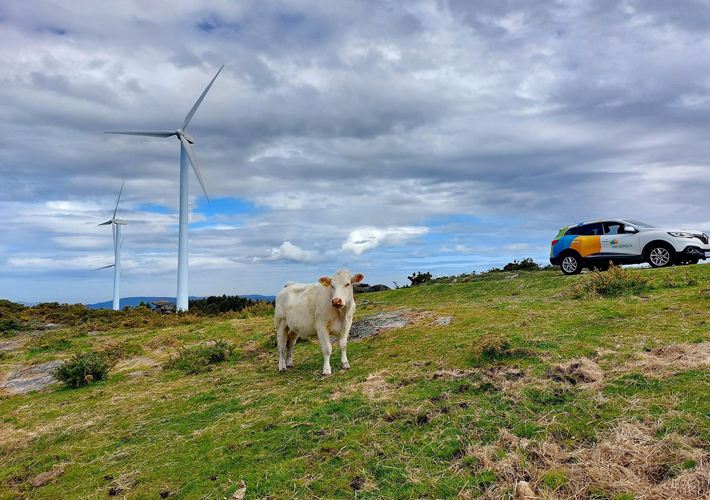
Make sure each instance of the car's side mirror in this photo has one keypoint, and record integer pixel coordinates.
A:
(630, 229)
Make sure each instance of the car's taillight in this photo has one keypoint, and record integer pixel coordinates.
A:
(554, 241)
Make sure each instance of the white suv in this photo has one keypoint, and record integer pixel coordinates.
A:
(625, 241)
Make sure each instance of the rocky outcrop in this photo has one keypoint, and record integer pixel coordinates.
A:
(365, 288)
(164, 307)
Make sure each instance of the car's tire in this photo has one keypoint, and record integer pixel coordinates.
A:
(571, 264)
(660, 255)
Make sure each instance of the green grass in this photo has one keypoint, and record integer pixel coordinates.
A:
(427, 411)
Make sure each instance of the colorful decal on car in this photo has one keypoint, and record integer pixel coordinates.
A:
(584, 245)
(615, 242)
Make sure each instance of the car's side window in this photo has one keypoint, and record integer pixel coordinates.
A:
(613, 228)
(590, 230)
(572, 231)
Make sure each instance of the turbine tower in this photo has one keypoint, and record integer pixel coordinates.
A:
(117, 244)
(186, 155)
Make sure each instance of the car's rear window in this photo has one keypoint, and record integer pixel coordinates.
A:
(586, 230)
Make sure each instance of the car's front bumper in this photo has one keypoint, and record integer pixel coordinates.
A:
(695, 252)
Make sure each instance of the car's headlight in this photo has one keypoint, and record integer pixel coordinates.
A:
(679, 234)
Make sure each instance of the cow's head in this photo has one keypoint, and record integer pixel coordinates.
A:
(341, 290)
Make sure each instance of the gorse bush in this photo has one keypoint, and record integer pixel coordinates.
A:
(612, 283)
(83, 369)
(9, 326)
(200, 358)
(678, 280)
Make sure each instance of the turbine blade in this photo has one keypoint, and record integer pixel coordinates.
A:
(159, 133)
(125, 279)
(199, 101)
(106, 223)
(124, 239)
(100, 268)
(119, 199)
(193, 162)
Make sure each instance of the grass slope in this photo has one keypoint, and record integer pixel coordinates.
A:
(461, 410)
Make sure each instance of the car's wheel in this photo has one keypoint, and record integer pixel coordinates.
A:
(660, 255)
(571, 264)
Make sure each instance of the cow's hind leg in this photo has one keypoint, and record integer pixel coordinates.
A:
(326, 347)
(343, 344)
(282, 343)
(289, 349)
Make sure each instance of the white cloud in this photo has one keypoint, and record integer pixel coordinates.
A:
(361, 240)
(290, 252)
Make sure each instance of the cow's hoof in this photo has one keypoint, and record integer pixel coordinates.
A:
(290, 365)
(282, 369)
(345, 366)
(326, 374)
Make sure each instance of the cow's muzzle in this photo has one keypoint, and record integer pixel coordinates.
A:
(337, 303)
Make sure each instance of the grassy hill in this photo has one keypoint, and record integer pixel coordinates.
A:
(538, 377)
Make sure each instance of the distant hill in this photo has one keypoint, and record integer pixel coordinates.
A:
(135, 301)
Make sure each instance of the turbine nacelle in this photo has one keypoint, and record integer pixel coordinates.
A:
(183, 133)
(114, 221)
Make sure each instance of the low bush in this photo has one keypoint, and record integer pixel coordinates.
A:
(9, 326)
(200, 358)
(524, 265)
(612, 283)
(83, 369)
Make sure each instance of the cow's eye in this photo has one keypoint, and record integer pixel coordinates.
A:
(347, 285)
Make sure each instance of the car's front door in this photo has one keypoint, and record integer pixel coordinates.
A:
(618, 243)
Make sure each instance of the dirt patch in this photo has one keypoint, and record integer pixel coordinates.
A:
(663, 362)
(385, 321)
(628, 459)
(375, 387)
(33, 378)
(580, 371)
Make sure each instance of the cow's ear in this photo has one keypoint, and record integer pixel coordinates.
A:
(325, 281)
(357, 278)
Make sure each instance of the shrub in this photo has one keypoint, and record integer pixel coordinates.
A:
(524, 265)
(419, 278)
(9, 326)
(83, 369)
(612, 283)
(261, 308)
(678, 280)
(200, 358)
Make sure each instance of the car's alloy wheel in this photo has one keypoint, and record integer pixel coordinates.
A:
(571, 265)
(660, 256)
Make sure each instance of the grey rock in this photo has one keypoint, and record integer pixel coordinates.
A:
(32, 378)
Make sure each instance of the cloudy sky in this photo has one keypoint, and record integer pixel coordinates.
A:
(383, 136)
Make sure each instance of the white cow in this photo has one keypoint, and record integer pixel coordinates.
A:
(318, 309)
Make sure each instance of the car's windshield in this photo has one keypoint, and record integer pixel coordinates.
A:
(640, 224)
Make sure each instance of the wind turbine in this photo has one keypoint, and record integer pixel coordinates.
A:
(186, 155)
(117, 244)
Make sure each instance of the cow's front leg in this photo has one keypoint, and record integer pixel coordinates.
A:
(343, 344)
(281, 342)
(324, 339)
